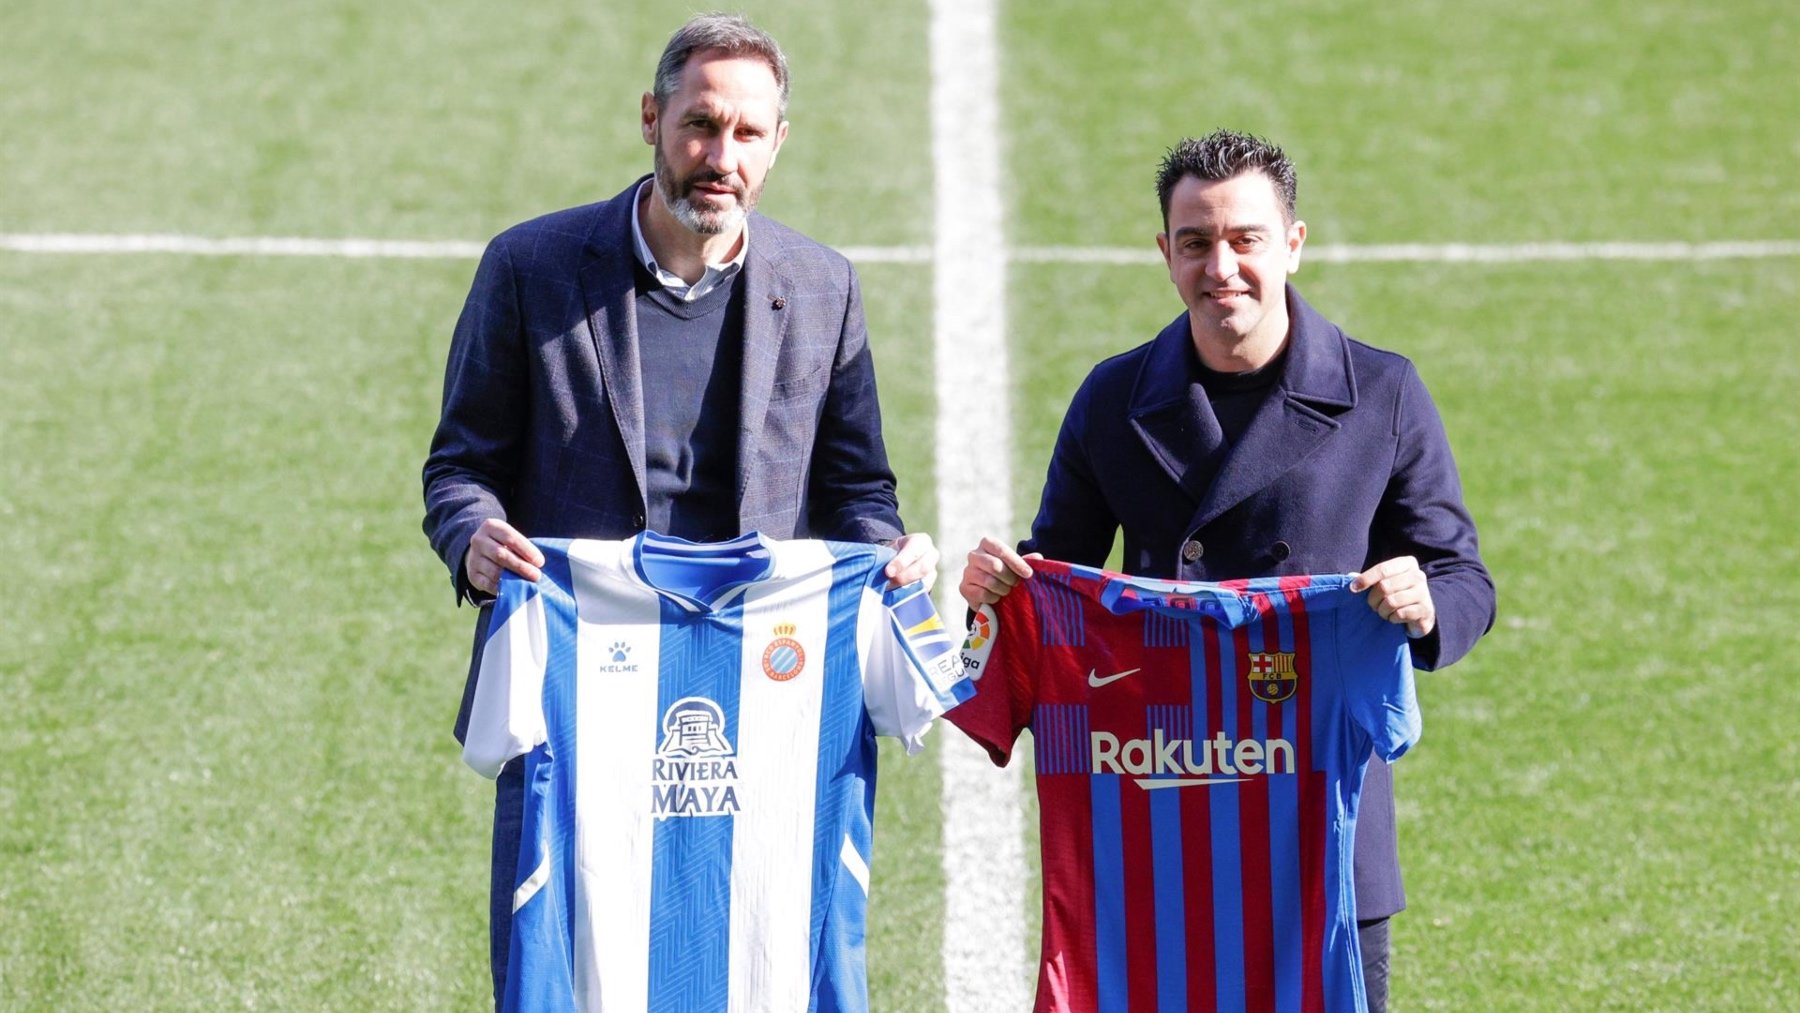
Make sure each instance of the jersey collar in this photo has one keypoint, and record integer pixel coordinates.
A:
(700, 577)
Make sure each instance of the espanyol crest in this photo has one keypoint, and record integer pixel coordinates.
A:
(1271, 675)
(784, 657)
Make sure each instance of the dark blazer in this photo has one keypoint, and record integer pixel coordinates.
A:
(1345, 465)
(543, 412)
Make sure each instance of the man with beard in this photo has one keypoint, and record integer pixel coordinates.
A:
(667, 360)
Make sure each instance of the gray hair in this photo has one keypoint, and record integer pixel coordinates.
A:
(730, 32)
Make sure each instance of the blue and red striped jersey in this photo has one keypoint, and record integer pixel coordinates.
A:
(1199, 752)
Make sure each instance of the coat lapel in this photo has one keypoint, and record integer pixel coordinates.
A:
(766, 294)
(607, 288)
(1172, 420)
(1296, 417)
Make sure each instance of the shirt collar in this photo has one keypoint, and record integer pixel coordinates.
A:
(716, 274)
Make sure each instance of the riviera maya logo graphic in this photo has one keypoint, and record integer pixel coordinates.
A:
(693, 726)
(693, 772)
(1272, 676)
(784, 658)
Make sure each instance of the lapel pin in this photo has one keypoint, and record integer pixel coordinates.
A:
(777, 302)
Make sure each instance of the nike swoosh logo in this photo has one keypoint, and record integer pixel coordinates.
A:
(1098, 681)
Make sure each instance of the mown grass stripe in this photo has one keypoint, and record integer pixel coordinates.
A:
(1328, 253)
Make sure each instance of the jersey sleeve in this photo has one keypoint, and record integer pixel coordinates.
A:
(506, 718)
(912, 672)
(1378, 678)
(999, 655)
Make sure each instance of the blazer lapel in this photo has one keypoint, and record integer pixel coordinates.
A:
(1172, 420)
(1293, 421)
(607, 288)
(766, 294)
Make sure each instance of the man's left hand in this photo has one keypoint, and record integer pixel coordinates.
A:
(1398, 593)
(915, 558)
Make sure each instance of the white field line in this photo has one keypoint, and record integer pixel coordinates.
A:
(457, 249)
(985, 962)
(250, 246)
(296, 246)
(1443, 253)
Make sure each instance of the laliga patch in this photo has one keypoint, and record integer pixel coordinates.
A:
(979, 642)
(1272, 676)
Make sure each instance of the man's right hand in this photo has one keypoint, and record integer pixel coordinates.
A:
(992, 571)
(498, 546)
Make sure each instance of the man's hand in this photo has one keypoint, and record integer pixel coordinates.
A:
(915, 558)
(498, 546)
(992, 571)
(1398, 593)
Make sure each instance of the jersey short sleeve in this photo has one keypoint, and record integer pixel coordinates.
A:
(1378, 678)
(507, 717)
(1001, 668)
(912, 672)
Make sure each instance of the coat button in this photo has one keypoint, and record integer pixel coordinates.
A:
(638, 521)
(1191, 550)
(1281, 551)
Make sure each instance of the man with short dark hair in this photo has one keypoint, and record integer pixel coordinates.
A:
(1253, 438)
(667, 360)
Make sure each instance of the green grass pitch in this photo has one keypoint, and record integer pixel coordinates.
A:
(230, 661)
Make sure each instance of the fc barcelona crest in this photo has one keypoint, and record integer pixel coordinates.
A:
(1272, 676)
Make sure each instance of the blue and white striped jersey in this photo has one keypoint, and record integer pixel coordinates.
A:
(697, 726)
